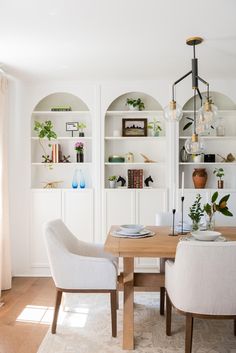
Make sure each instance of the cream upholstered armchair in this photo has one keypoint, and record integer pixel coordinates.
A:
(201, 283)
(79, 267)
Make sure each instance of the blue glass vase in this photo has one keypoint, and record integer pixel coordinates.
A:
(75, 180)
(81, 180)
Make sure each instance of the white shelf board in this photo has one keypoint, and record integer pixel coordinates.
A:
(61, 164)
(118, 188)
(135, 138)
(133, 112)
(68, 138)
(50, 189)
(220, 111)
(64, 113)
(210, 137)
(208, 163)
(136, 163)
(208, 189)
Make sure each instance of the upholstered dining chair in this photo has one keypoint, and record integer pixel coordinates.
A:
(79, 267)
(163, 219)
(201, 283)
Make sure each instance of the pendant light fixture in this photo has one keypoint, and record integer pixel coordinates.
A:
(207, 112)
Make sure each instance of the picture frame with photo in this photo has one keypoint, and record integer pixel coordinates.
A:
(134, 127)
(72, 126)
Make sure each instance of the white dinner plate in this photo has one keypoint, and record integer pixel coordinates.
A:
(206, 235)
(144, 233)
(191, 238)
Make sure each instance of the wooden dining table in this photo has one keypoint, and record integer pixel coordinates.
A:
(161, 245)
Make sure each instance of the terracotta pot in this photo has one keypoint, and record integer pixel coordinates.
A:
(220, 184)
(199, 178)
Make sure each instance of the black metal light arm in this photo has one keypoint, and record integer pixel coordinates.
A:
(176, 82)
(207, 84)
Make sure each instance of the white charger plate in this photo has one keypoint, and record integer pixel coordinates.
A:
(206, 235)
(144, 233)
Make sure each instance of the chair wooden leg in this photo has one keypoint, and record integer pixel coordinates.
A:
(162, 300)
(117, 299)
(168, 315)
(234, 327)
(56, 310)
(188, 333)
(113, 297)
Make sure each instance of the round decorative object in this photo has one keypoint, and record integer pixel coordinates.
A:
(173, 112)
(199, 178)
(116, 159)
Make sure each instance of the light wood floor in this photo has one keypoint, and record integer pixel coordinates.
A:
(22, 337)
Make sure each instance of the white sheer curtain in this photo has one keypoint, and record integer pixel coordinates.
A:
(5, 262)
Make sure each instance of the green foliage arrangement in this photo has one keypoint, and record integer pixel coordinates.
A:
(135, 103)
(196, 212)
(221, 207)
(219, 172)
(155, 126)
(45, 130)
(112, 178)
(81, 126)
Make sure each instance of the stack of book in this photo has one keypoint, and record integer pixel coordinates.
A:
(135, 178)
(56, 153)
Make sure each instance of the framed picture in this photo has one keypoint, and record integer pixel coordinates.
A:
(72, 126)
(134, 127)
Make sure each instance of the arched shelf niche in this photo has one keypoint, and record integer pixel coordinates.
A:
(61, 171)
(119, 143)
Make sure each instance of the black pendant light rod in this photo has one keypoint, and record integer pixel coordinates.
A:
(176, 82)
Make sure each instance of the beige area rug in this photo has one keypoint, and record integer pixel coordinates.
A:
(87, 329)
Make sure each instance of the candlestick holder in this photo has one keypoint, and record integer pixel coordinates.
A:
(173, 222)
(182, 215)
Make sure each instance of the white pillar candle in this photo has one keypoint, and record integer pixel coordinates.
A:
(182, 193)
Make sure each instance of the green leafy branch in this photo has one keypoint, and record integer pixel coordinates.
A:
(221, 207)
(44, 130)
(196, 211)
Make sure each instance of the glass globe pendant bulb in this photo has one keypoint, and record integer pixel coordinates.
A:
(173, 112)
(208, 112)
(194, 145)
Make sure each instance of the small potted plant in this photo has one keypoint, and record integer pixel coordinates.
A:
(81, 127)
(196, 212)
(135, 104)
(112, 181)
(79, 147)
(155, 127)
(45, 130)
(213, 207)
(219, 173)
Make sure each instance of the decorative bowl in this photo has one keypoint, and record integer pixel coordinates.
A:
(131, 228)
(206, 235)
(116, 159)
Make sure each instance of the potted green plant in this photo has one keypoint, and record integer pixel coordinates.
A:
(211, 208)
(155, 127)
(196, 212)
(45, 130)
(135, 104)
(219, 173)
(81, 127)
(112, 181)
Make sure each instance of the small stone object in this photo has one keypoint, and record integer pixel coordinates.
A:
(146, 159)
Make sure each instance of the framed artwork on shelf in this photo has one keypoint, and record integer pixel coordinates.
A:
(72, 126)
(134, 127)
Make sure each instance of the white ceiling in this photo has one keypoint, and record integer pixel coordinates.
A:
(116, 39)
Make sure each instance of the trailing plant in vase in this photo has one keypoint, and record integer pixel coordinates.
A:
(135, 104)
(211, 208)
(155, 126)
(219, 173)
(45, 130)
(196, 212)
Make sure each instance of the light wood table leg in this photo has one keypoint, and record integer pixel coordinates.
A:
(128, 319)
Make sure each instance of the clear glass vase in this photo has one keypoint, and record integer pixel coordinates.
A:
(195, 225)
(210, 222)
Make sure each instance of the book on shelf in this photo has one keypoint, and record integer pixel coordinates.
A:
(56, 153)
(135, 178)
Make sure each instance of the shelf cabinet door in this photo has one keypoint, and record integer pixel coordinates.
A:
(119, 207)
(45, 206)
(77, 210)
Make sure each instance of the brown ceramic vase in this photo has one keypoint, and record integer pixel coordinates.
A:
(199, 178)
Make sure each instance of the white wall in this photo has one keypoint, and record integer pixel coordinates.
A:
(98, 96)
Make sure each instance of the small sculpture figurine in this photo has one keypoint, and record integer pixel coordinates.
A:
(148, 180)
(46, 159)
(65, 159)
(51, 184)
(146, 159)
(123, 181)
